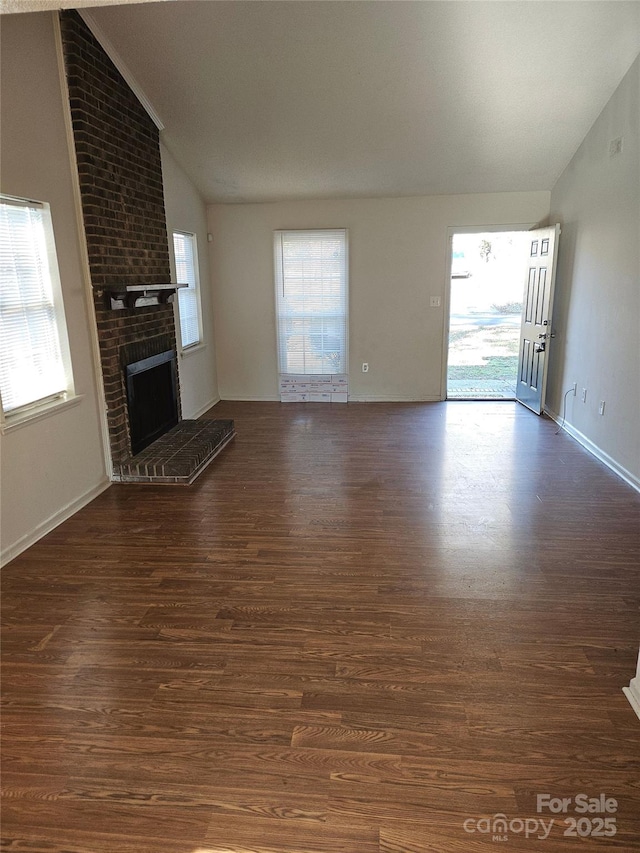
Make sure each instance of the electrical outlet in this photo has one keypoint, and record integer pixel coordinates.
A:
(365, 366)
(434, 301)
(601, 407)
(584, 395)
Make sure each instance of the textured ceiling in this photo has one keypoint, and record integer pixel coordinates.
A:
(283, 100)
(14, 6)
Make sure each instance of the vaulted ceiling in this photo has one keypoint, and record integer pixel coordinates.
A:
(284, 100)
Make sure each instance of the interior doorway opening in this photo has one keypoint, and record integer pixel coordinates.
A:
(485, 314)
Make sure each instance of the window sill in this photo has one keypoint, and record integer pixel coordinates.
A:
(192, 349)
(38, 413)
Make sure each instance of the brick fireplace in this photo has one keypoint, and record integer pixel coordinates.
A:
(120, 176)
(120, 173)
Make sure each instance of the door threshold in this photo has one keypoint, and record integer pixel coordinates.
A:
(472, 398)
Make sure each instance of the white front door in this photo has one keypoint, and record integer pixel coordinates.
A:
(535, 329)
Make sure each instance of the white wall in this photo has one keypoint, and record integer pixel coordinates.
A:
(597, 305)
(186, 211)
(397, 250)
(52, 466)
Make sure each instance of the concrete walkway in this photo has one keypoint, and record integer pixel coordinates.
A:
(480, 389)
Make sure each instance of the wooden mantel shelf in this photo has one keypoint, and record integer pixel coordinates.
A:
(139, 295)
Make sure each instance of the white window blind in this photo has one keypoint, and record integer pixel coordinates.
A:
(32, 368)
(184, 248)
(311, 301)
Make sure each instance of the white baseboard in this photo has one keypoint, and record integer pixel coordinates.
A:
(243, 398)
(596, 451)
(353, 398)
(632, 692)
(30, 538)
(199, 412)
(385, 398)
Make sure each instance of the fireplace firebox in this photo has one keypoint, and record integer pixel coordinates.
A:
(152, 398)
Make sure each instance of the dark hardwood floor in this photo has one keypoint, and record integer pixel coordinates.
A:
(362, 627)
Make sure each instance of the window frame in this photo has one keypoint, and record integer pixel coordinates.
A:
(195, 289)
(278, 236)
(50, 403)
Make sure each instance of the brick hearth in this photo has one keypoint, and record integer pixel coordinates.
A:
(179, 455)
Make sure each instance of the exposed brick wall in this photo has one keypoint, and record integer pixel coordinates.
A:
(120, 172)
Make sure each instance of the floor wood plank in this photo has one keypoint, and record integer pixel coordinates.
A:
(361, 627)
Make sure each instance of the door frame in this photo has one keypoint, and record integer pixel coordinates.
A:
(446, 313)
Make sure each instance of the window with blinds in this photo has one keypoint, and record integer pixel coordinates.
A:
(186, 258)
(312, 301)
(34, 363)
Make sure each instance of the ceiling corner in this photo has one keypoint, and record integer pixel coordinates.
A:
(122, 67)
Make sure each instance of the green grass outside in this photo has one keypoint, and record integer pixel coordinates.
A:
(496, 367)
